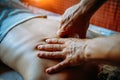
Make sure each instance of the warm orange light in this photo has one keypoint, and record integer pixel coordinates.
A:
(51, 5)
(37, 0)
(38, 3)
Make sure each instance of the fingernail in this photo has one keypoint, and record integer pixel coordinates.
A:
(60, 32)
(47, 40)
(40, 47)
(48, 70)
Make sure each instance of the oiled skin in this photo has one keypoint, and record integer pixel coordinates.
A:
(17, 50)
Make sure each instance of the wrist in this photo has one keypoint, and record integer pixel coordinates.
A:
(82, 12)
(88, 8)
(87, 52)
(84, 55)
(95, 51)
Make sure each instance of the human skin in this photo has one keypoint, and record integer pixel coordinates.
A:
(75, 20)
(74, 52)
(17, 50)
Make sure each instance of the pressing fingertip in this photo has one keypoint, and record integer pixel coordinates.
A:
(47, 40)
(48, 71)
(60, 33)
(38, 55)
(39, 47)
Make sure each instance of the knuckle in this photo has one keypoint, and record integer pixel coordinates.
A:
(50, 54)
(59, 46)
(46, 47)
(61, 64)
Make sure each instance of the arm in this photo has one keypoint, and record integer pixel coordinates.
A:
(104, 50)
(17, 50)
(76, 19)
(75, 52)
(90, 7)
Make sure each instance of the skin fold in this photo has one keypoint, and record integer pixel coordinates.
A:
(76, 51)
(17, 50)
(75, 20)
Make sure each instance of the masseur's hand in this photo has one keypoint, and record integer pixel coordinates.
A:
(70, 50)
(74, 23)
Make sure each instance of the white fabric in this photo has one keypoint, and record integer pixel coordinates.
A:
(12, 13)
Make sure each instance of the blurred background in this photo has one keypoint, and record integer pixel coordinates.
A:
(107, 16)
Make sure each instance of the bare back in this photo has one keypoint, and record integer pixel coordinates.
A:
(18, 51)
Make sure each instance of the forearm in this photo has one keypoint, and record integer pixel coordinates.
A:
(104, 50)
(89, 7)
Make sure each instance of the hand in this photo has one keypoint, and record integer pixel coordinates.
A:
(70, 50)
(73, 23)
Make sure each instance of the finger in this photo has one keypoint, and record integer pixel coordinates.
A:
(51, 47)
(62, 22)
(66, 34)
(56, 41)
(57, 67)
(52, 55)
(62, 34)
(64, 30)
